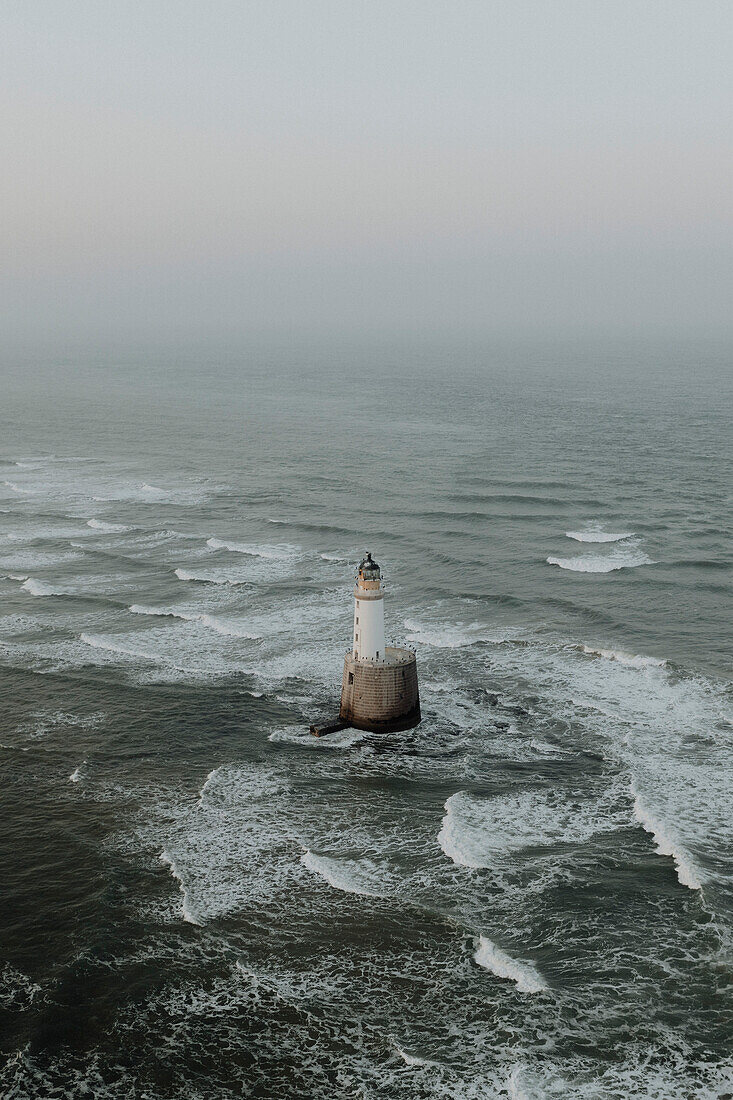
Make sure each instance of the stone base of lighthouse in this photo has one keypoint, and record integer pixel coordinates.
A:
(381, 695)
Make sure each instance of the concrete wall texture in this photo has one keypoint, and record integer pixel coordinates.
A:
(381, 696)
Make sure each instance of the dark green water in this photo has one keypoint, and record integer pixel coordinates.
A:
(530, 895)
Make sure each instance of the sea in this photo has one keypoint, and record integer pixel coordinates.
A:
(530, 895)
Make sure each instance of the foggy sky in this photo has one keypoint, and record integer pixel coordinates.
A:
(184, 171)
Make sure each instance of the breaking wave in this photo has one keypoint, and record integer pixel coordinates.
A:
(18, 488)
(490, 832)
(414, 1059)
(667, 844)
(342, 739)
(220, 626)
(455, 636)
(280, 552)
(594, 533)
(525, 976)
(188, 911)
(40, 588)
(352, 876)
(207, 577)
(101, 525)
(99, 641)
(630, 660)
(625, 555)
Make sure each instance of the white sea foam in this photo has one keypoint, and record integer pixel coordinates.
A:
(525, 976)
(625, 555)
(352, 876)
(40, 588)
(668, 730)
(336, 557)
(668, 843)
(210, 577)
(144, 494)
(342, 739)
(17, 992)
(279, 552)
(102, 525)
(223, 787)
(491, 832)
(188, 911)
(18, 488)
(631, 660)
(455, 636)
(76, 775)
(101, 641)
(413, 1059)
(594, 533)
(219, 626)
(231, 847)
(210, 779)
(25, 560)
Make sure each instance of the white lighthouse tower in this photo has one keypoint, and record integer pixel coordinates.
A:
(379, 690)
(369, 640)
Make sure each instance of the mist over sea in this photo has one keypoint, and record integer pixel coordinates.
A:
(531, 894)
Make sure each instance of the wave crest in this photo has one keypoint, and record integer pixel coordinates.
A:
(219, 626)
(40, 588)
(594, 533)
(626, 555)
(102, 525)
(525, 976)
(352, 876)
(278, 552)
(667, 844)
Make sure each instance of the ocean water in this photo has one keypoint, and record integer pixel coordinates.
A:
(528, 896)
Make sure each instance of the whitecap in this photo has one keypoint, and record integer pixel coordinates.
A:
(219, 626)
(19, 488)
(352, 876)
(40, 588)
(491, 832)
(413, 1059)
(526, 977)
(594, 533)
(626, 555)
(631, 660)
(102, 525)
(222, 787)
(279, 552)
(209, 577)
(187, 910)
(76, 775)
(455, 636)
(668, 844)
(342, 739)
(100, 641)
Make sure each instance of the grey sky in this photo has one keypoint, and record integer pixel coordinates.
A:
(194, 170)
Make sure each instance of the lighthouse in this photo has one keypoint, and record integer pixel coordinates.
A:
(379, 690)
